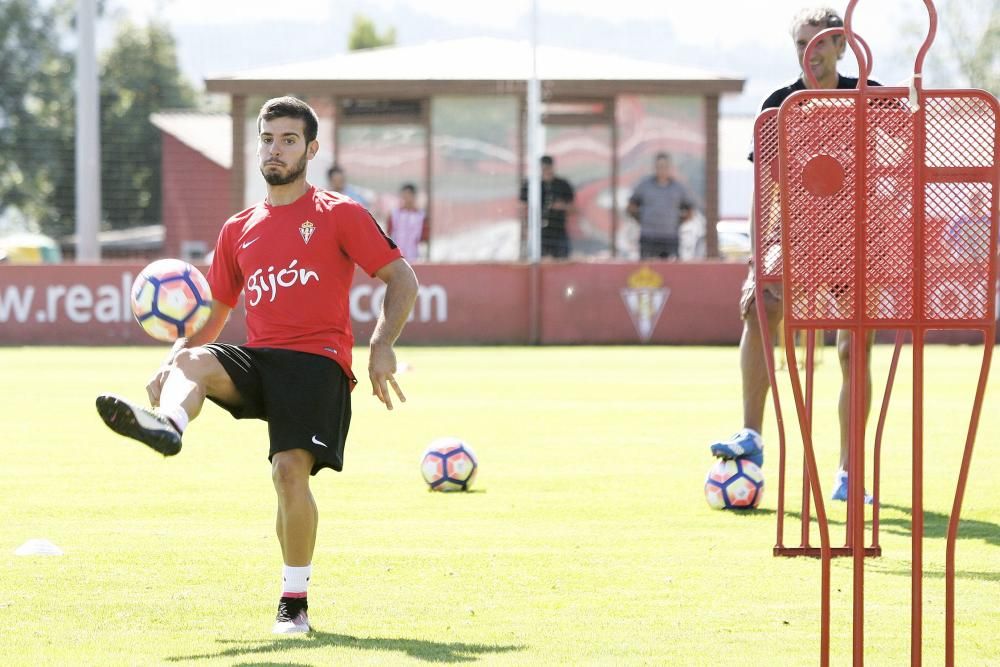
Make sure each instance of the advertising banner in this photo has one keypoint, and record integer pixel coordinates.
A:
(578, 303)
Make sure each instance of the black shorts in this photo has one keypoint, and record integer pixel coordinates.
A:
(304, 398)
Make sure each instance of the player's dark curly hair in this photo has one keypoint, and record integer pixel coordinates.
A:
(290, 107)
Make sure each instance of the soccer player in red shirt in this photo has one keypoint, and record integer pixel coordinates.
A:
(293, 257)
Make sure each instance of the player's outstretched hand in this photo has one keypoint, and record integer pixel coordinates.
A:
(155, 385)
(381, 368)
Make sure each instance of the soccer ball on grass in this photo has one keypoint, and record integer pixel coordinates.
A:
(734, 484)
(449, 464)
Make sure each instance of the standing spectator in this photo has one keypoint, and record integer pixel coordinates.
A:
(338, 183)
(408, 225)
(660, 203)
(557, 201)
(968, 234)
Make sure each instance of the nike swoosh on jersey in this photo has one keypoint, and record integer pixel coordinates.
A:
(318, 442)
(250, 243)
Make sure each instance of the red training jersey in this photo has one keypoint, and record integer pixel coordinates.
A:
(295, 265)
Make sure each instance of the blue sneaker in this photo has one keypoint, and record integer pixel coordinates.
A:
(744, 444)
(840, 489)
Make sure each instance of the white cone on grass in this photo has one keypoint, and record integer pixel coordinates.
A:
(38, 547)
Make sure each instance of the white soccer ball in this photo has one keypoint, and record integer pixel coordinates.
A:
(449, 464)
(171, 299)
(734, 484)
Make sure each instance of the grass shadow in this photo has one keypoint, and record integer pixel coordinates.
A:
(833, 521)
(420, 649)
(463, 492)
(756, 511)
(936, 525)
(896, 520)
(930, 571)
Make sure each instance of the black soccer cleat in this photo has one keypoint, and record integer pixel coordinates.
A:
(292, 616)
(139, 423)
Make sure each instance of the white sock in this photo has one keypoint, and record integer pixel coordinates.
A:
(295, 580)
(841, 476)
(177, 414)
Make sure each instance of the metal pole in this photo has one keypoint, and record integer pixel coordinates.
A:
(533, 128)
(534, 147)
(88, 129)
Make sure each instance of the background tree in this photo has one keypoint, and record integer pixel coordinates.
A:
(139, 76)
(974, 32)
(364, 36)
(966, 50)
(36, 116)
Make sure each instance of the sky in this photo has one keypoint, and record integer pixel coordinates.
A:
(743, 38)
(705, 21)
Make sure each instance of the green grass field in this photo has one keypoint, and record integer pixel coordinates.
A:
(587, 540)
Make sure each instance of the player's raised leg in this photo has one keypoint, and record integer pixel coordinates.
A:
(134, 421)
(840, 482)
(297, 522)
(177, 393)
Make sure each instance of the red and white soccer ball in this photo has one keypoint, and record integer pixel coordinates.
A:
(171, 299)
(449, 464)
(734, 484)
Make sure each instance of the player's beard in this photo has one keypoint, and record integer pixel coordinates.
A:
(275, 178)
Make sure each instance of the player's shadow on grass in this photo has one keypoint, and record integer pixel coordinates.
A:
(420, 649)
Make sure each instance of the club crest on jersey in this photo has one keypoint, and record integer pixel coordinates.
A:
(306, 229)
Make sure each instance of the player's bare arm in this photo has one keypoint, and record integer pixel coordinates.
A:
(207, 334)
(400, 295)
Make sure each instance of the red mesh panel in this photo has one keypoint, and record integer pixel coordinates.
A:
(889, 219)
(957, 251)
(817, 149)
(960, 130)
(845, 245)
(767, 200)
(817, 146)
(959, 243)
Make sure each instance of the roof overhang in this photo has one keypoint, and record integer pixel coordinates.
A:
(479, 65)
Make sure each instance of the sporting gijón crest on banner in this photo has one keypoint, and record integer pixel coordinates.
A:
(306, 229)
(644, 298)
